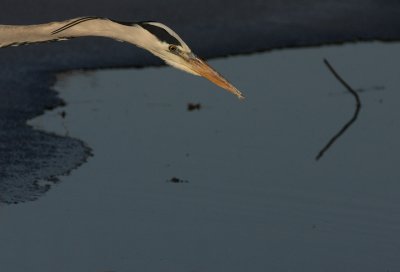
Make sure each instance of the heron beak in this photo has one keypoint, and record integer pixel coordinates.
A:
(200, 67)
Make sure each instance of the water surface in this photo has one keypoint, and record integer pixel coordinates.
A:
(254, 198)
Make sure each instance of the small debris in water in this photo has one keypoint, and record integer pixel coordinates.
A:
(379, 88)
(63, 114)
(177, 180)
(193, 106)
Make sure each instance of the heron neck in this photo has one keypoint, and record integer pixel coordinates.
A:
(14, 35)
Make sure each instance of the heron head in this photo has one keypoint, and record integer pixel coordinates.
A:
(167, 45)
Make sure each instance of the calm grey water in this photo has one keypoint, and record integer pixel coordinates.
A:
(211, 28)
(255, 199)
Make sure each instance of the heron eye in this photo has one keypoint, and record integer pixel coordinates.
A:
(173, 48)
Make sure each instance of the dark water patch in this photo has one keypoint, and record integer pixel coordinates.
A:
(27, 155)
(35, 156)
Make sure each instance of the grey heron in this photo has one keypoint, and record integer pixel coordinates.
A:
(154, 37)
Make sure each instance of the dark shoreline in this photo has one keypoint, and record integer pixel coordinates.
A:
(27, 156)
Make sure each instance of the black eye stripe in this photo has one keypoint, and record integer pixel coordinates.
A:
(160, 33)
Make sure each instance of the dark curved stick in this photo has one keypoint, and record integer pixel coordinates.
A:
(351, 121)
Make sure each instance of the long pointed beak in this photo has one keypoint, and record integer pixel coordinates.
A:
(202, 68)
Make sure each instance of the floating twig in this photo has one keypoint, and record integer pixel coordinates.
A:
(353, 118)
